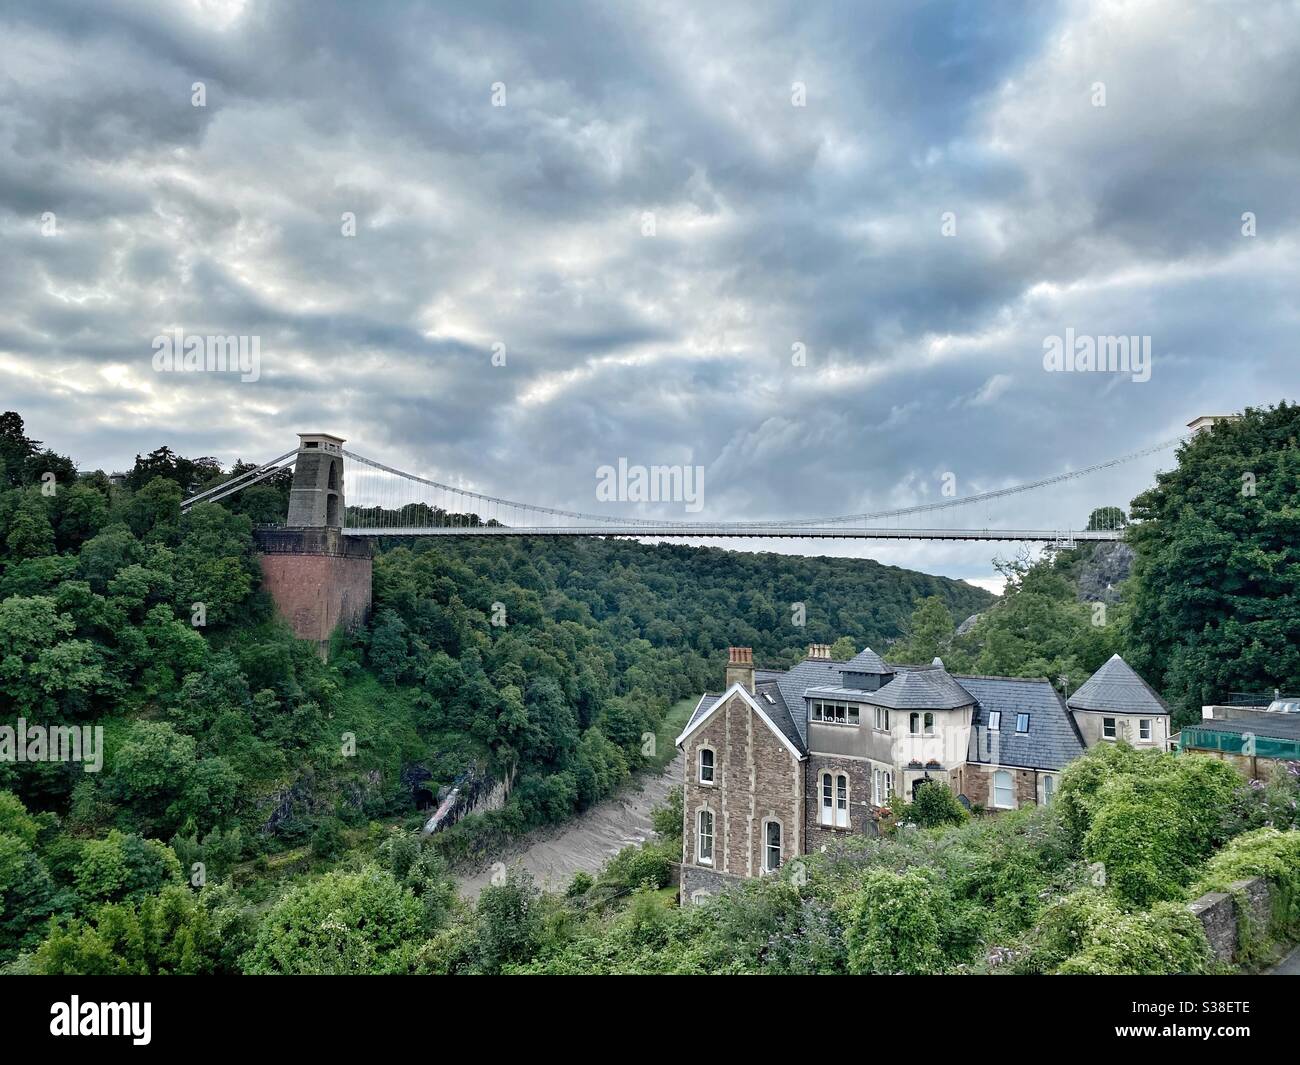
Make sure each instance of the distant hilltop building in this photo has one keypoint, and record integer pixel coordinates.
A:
(1197, 425)
(783, 762)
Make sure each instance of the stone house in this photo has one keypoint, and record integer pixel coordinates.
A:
(782, 762)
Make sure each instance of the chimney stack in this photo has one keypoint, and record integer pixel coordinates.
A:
(740, 668)
(820, 651)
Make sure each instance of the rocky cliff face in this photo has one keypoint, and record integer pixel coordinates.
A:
(1101, 572)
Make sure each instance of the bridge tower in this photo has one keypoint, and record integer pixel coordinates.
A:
(316, 499)
(318, 578)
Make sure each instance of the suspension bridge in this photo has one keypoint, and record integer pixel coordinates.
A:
(383, 501)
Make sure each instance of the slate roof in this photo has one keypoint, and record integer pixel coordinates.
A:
(768, 696)
(866, 661)
(701, 708)
(810, 673)
(922, 689)
(1052, 739)
(1116, 687)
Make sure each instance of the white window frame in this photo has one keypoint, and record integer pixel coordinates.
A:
(1022, 731)
(713, 767)
(927, 723)
(1113, 723)
(769, 823)
(882, 714)
(995, 720)
(914, 724)
(888, 779)
(1010, 786)
(700, 859)
(833, 799)
(1146, 728)
(875, 787)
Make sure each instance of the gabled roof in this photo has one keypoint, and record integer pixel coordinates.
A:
(767, 703)
(866, 661)
(1117, 688)
(1052, 739)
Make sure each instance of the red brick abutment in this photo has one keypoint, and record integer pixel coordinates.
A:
(318, 579)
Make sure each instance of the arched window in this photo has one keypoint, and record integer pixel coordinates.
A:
(704, 838)
(1004, 793)
(835, 799)
(706, 765)
(771, 846)
(700, 897)
(929, 724)
(914, 724)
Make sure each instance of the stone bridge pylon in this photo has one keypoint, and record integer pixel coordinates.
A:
(318, 579)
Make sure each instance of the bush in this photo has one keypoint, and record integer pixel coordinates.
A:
(905, 922)
(1087, 933)
(934, 805)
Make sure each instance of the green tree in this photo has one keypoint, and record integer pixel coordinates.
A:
(898, 923)
(1107, 518)
(934, 806)
(1214, 604)
(30, 532)
(507, 923)
(124, 867)
(361, 922)
(929, 632)
(172, 932)
(843, 649)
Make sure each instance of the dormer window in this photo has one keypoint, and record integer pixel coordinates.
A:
(1022, 723)
(995, 720)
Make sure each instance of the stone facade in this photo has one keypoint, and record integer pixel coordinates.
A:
(316, 498)
(976, 783)
(774, 745)
(756, 780)
(862, 819)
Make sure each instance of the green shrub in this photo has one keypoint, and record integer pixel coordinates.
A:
(934, 806)
(1087, 933)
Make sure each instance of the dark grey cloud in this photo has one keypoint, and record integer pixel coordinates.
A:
(774, 225)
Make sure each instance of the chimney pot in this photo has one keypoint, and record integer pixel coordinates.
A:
(740, 667)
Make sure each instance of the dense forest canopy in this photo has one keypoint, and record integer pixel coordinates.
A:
(248, 787)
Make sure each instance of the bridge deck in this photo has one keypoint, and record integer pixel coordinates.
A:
(704, 531)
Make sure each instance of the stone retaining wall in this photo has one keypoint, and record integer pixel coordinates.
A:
(1217, 911)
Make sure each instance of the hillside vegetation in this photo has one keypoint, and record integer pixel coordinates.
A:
(232, 753)
(255, 811)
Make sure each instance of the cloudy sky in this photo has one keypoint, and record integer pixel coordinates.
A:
(673, 196)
